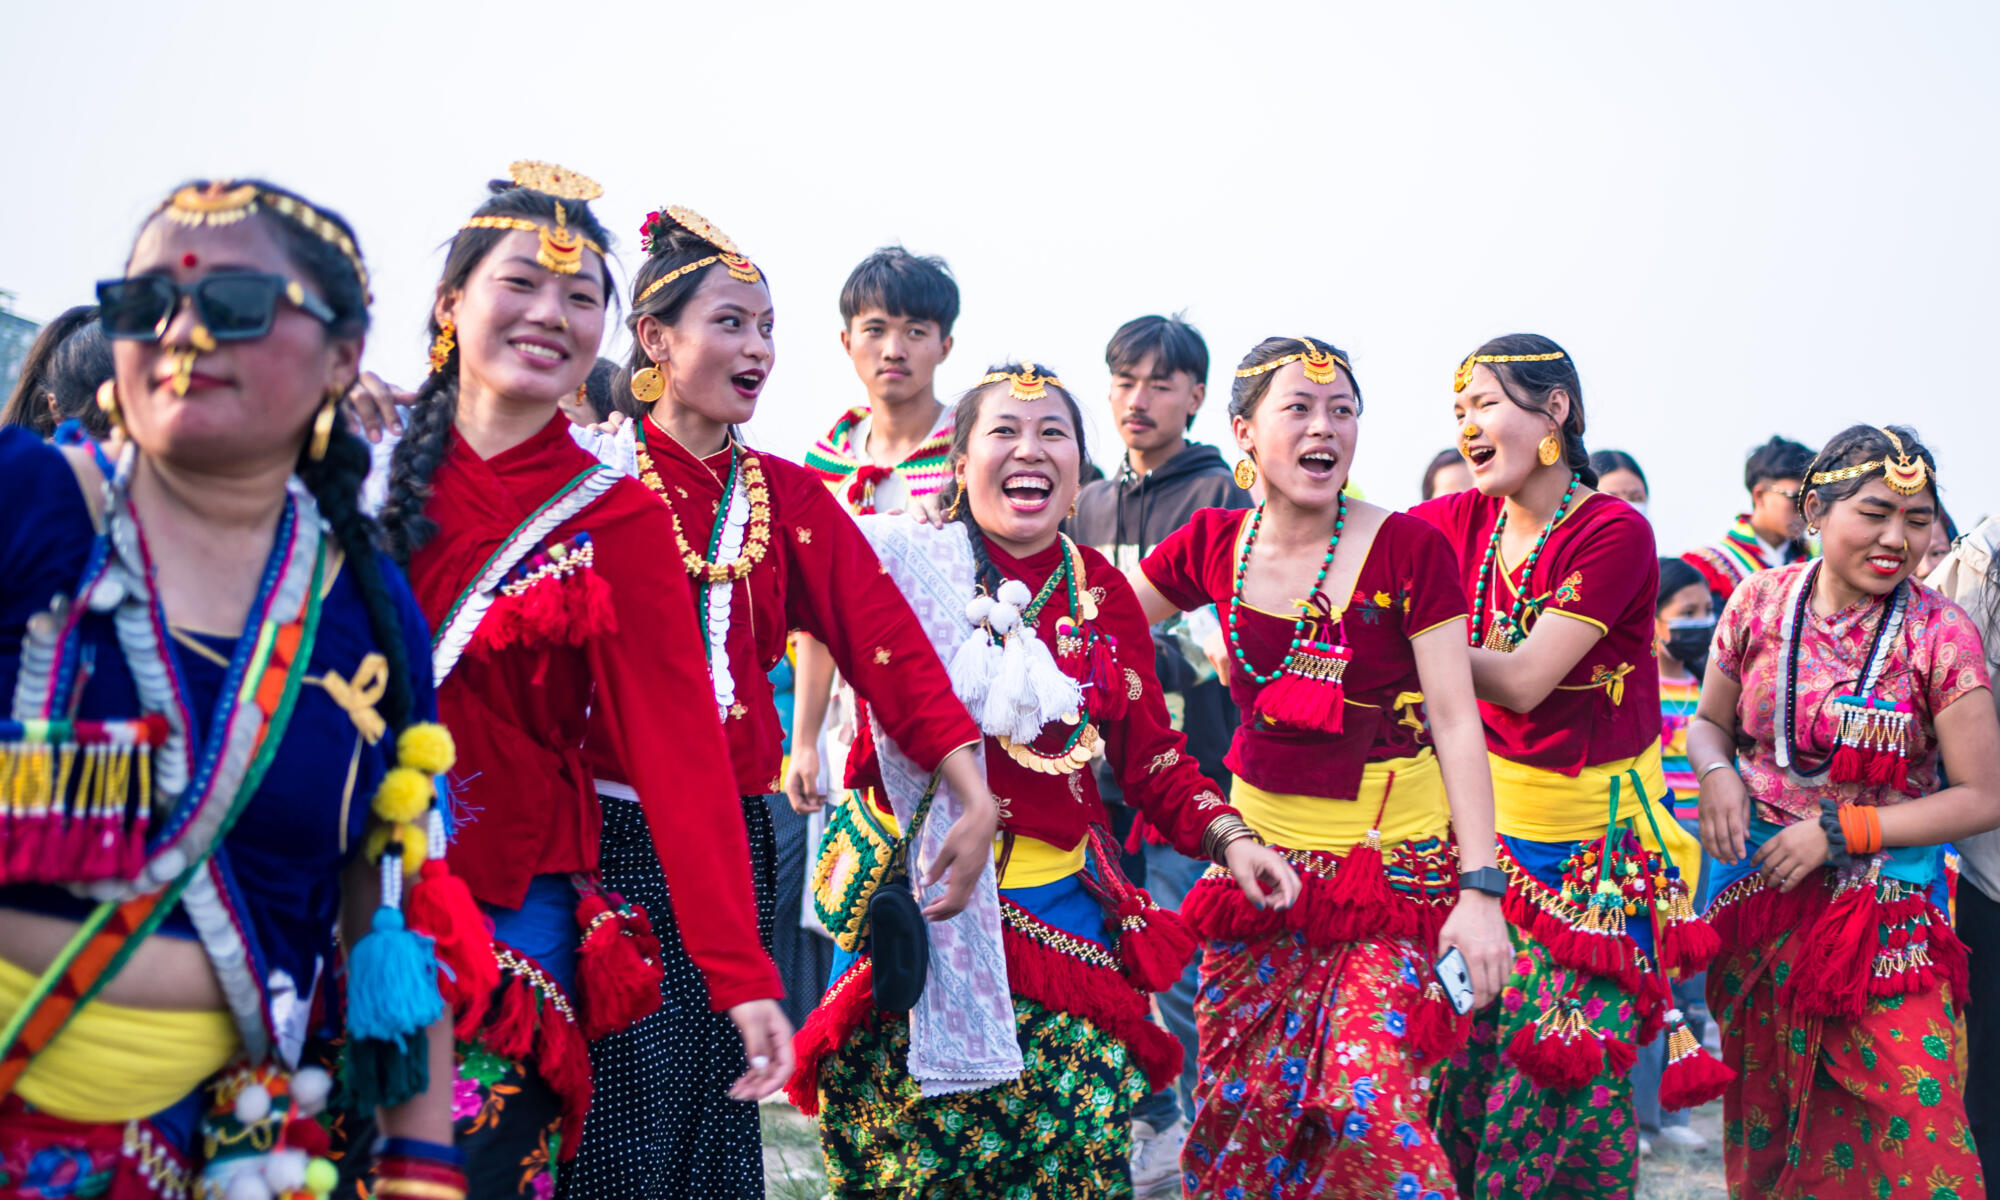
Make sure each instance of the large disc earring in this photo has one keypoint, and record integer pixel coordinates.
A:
(648, 385)
(329, 408)
(107, 403)
(442, 346)
(1550, 452)
(1246, 473)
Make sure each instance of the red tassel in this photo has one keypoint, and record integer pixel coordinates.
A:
(1619, 1055)
(1693, 1076)
(1560, 1051)
(590, 612)
(132, 851)
(846, 1007)
(1304, 703)
(1103, 997)
(1154, 944)
(1218, 911)
(620, 984)
(511, 1034)
(1436, 1029)
(1359, 884)
(1830, 976)
(441, 908)
(1847, 765)
(1108, 697)
(563, 1061)
(304, 1133)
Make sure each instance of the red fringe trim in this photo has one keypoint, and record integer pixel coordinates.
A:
(1329, 911)
(1554, 922)
(564, 611)
(441, 908)
(1154, 944)
(529, 1026)
(1436, 1029)
(846, 1007)
(1557, 1063)
(1100, 995)
(1692, 1076)
(1300, 703)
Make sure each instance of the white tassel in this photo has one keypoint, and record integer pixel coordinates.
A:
(1010, 706)
(972, 668)
(1015, 593)
(1056, 695)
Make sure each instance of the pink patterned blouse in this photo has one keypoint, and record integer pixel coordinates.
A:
(1937, 658)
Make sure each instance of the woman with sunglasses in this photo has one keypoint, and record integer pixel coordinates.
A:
(219, 692)
(544, 576)
(1562, 580)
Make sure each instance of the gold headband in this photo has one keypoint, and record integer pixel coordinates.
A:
(1463, 375)
(1906, 476)
(225, 202)
(740, 268)
(1321, 365)
(1028, 383)
(562, 248)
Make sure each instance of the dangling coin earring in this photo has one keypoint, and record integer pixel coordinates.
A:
(1550, 451)
(1246, 473)
(323, 427)
(107, 403)
(442, 346)
(648, 385)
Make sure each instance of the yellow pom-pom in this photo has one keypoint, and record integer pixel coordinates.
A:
(405, 795)
(416, 845)
(427, 747)
(322, 1177)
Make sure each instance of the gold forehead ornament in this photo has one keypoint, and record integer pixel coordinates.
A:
(1906, 474)
(561, 248)
(1028, 383)
(1463, 376)
(1321, 366)
(224, 202)
(740, 267)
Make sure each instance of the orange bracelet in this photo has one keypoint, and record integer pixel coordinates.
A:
(1861, 825)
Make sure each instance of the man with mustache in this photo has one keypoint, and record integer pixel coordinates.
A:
(1159, 372)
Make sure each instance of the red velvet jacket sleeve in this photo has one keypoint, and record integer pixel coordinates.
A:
(659, 708)
(840, 594)
(1150, 756)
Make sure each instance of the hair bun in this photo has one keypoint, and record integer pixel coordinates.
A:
(495, 187)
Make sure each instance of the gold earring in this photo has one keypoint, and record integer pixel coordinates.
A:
(442, 346)
(1072, 510)
(107, 402)
(648, 385)
(1246, 473)
(1550, 451)
(957, 499)
(322, 436)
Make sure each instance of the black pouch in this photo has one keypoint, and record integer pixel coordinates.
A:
(899, 945)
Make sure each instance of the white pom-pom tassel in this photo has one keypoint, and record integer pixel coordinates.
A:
(248, 1185)
(253, 1104)
(1010, 706)
(310, 1088)
(1056, 695)
(979, 608)
(972, 669)
(1005, 619)
(1016, 593)
(285, 1170)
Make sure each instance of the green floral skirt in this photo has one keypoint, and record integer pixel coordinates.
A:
(1063, 1130)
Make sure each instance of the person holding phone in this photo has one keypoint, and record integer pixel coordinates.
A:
(1319, 1025)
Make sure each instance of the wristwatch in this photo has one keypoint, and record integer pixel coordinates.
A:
(1491, 880)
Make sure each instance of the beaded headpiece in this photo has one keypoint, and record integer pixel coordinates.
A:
(1463, 375)
(225, 202)
(653, 229)
(1028, 383)
(562, 248)
(1906, 474)
(1322, 366)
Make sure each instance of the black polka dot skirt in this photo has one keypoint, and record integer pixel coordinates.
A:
(661, 1124)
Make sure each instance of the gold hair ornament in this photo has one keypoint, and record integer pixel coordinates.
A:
(1322, 366)
(562, 248)
(1906, 474)
(1463, 375)
(225, 202)
(740, 267)
(1028, 383)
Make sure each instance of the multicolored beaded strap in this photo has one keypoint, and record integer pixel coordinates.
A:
(1499, 636)
(1305, 614)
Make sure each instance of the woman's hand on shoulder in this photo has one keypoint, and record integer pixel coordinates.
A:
(1267, 880)
(372, 404)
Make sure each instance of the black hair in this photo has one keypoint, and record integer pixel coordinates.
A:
(69, 359)
(1248, 390)
(964, 415)
(1606, 461)
(598, 387)
(1853, 446)
(427, 433)
(914, 287)
(1173, 344)
(673, 247)
(335, 479)
(1779, 458)
(1676, 574)
(1531, 384)
(1443, 459)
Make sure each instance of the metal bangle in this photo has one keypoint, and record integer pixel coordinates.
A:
(1222, 832)
(1702, 776)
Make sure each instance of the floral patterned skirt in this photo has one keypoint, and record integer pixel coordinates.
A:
(1062, 1130)
(508, 1122)
(1826, 1106)
(1310, 1084)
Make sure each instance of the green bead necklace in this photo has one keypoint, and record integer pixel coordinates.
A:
(1513, 630)
(1298, 626)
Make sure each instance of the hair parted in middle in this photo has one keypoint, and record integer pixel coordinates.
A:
(965, 414)
(1252, 383)
(1531, 369)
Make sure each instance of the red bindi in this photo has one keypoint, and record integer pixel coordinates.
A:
(189, 260)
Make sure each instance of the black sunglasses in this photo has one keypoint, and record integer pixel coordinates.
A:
(233, 306)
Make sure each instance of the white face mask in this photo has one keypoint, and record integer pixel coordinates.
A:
(1641, 507)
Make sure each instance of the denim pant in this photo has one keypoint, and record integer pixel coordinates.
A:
(1169, 875)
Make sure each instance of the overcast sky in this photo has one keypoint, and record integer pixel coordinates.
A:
(1739, 219)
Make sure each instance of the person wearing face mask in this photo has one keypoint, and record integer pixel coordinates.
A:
(1618, 474)
(1563, 581)
(1836, 691)
(1772, 533)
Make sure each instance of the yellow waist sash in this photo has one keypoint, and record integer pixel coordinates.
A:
(1544, 806)
(113, 1063)
(1035, 862)
(1298, 822)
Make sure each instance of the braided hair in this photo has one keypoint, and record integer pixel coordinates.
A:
(964, 414)
(434, 409)
(1853, 446)
(1530, 385)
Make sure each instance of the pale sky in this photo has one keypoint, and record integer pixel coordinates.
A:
(1740, 219)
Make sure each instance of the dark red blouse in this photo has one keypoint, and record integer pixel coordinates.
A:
(819, 575)
(1408, 585)
(518, 715)
(1599, 566)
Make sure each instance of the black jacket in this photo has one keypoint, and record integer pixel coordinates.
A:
(1127, 515)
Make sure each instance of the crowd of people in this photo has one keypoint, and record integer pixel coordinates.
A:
(506, 807)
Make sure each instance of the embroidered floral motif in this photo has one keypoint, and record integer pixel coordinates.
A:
(1571, 590)
(1162, 761)
(737, 712)
(804, 535)
(881, 657)
(1133, 687)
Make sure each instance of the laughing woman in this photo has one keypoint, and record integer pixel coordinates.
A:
(1014, 1073)
(1563, 581)
(543, 573)
(763, 548)
(1840, 693)
(1320, 1025)
(213, 674)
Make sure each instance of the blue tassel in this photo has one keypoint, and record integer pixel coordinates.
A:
(392, 987)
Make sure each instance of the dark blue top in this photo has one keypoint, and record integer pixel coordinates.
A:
(283, 859)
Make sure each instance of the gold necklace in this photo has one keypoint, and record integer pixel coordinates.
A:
(755, 540)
